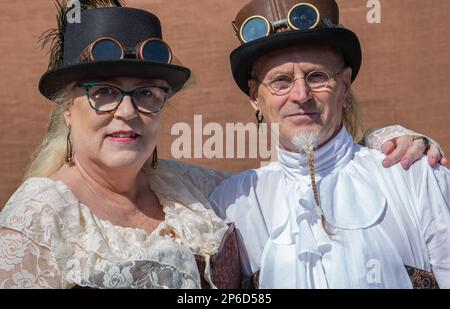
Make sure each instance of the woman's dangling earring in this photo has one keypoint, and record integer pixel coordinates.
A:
(155, 163)
(259, 119)
(69, 151)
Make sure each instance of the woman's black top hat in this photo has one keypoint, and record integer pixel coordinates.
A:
(264, 26)
(127, 26)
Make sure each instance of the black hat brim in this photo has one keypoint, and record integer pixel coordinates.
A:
(243, 58)
(54, 80)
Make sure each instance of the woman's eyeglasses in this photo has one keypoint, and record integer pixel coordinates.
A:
(104, 98)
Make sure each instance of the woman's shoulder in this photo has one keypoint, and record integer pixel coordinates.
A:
(180, 173)
(40, 191)
(37, 205)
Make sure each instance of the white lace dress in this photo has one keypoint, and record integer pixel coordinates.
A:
(48, 239)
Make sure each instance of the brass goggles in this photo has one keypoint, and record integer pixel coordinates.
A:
(107, 48)
(302, 16)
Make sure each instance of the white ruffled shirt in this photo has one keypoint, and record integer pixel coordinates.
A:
(383, 219)
(48, 239)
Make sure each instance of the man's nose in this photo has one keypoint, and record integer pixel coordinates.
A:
(126, 109)
(300, 92)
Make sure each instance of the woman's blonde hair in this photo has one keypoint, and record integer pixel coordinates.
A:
(50, 155)
(352, 120)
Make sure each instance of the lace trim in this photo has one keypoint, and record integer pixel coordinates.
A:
(375, 138)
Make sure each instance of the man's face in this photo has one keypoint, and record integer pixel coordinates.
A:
(302, 109)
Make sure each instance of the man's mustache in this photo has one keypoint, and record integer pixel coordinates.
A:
(306, 108)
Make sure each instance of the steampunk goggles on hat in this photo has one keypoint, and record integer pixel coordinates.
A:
(107, 48)
(302, 16)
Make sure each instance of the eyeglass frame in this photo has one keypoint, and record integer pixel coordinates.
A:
(86, 54)
(124, 94)
(331, 77)
(272, 26)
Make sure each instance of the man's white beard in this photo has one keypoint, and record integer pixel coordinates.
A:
(306, 141)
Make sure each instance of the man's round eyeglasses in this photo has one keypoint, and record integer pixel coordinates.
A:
(316, 80)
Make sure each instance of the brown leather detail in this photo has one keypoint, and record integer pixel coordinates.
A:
(252, 282)
(275, 10)
(225, 264)
(422, 279)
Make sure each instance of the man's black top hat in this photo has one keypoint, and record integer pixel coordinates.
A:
(129, 27)
(326, 31)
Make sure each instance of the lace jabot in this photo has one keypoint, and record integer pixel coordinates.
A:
(49, 239)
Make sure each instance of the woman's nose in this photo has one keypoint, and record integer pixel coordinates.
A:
(126, 109)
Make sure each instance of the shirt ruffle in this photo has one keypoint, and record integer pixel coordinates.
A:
(296, 229)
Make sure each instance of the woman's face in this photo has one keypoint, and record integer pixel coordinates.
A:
(124, 138)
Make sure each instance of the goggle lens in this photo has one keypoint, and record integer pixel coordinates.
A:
(255, 28)
(105, 50)
(303, 17)
(156, 51)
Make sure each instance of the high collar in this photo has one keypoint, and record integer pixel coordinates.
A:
(334, 154)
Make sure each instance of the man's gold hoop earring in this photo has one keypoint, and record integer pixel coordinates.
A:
(349, 103)
(69, 151)
(259, 119)
(155, 163)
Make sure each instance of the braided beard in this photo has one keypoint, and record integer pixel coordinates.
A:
(307, 142)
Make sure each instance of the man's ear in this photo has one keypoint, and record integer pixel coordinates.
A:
(253, 94)
(347, 78)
